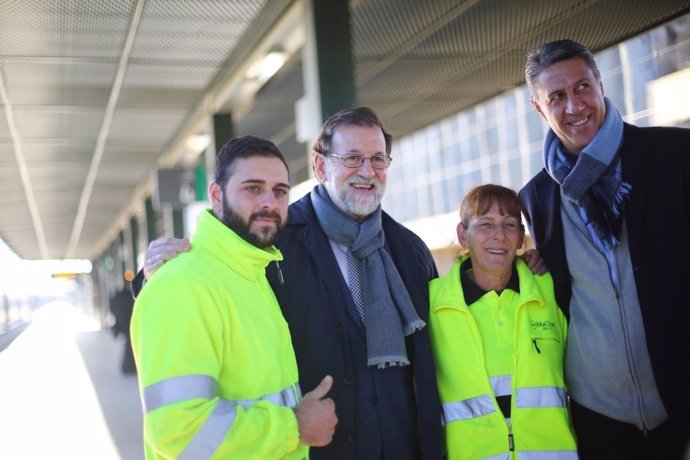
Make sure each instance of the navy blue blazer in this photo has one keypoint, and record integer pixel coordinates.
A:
(656, 162)
(329, 339)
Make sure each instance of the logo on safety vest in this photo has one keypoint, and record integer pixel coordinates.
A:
(543, 325)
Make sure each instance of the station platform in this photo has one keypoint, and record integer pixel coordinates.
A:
(62, 394)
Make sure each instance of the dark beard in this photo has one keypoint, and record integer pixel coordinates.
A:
(237, 224)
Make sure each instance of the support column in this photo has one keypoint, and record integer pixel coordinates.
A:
(121, 252)
(327, 66)
(151, 219)
(327, 54)
(134, 232)
(178, 223)
(223, 131)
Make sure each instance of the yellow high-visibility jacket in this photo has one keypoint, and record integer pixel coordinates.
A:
(215, 362)
(474, 426)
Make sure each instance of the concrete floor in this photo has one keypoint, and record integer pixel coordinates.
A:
(62, 394)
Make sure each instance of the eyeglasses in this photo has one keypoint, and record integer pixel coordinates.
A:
(508, 227)
(356, 161)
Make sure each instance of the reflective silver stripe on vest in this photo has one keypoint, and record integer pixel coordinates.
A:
(289, 397)
(219, 422)
(540, 397)
(212, 433)
(484, 405)
(505, 456)
(469, 408)
(178, 389)
(502, 385)
(548, 455)
(541, 455)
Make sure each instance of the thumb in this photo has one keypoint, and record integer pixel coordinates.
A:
(321, 390)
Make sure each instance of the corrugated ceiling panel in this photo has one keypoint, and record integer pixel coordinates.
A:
(63, 28)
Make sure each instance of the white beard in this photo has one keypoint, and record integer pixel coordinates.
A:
(349, 201)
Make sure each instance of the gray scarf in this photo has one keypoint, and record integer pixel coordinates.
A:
(389, 313)
(589, 180)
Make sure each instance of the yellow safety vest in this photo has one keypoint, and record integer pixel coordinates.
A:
(216, 365)
(475, 428)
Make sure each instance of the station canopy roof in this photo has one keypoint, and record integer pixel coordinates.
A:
(95, 94)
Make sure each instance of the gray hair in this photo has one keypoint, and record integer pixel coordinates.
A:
(538, 59)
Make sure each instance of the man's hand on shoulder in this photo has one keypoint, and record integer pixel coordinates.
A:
(534, 261)
(162, 250)
(316, 415)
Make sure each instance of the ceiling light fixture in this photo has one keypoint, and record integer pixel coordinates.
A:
(264, 69)
(194, 146)
(198, 142)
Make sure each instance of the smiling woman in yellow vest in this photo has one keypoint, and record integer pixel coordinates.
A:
(498, 338)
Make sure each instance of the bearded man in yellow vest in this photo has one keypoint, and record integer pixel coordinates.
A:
(217, 372)
(498, 339)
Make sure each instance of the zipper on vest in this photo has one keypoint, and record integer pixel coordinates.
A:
(281, 280)
(536, 347)
(511, 441)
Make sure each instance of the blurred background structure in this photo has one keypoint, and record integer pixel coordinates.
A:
(112, 111)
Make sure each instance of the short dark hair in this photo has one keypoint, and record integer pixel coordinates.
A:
(357, 116)
(479, 200)
(538, 59)
(243, 147)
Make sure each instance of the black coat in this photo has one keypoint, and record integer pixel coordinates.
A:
(121, 306)
(318, 308)
(656, 162)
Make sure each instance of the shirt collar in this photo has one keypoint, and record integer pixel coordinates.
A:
(473, 292)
